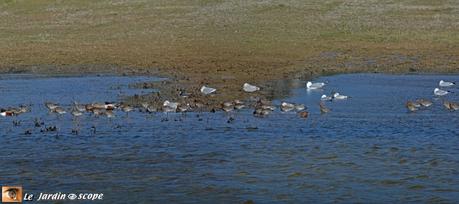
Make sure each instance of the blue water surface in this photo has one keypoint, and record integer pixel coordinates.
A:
(368, 149)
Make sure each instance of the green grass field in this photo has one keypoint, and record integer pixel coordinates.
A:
(192, 38)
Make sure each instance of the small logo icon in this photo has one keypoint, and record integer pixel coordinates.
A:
(72, 196)
(11, 194)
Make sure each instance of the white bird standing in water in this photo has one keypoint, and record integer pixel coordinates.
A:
(446, 83)
(325, 98)
(250, 88)
(207, 90)
(440, 92)
(170, 106)
(338, 96)
(312, 86)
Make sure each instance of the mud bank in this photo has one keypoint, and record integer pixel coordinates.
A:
(228, 81)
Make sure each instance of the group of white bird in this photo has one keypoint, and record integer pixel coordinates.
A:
(413, 106)
(249, 88)
(443, 84)
(321, 85)
(332, 97)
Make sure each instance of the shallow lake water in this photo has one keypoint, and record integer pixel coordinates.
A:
(368, 149)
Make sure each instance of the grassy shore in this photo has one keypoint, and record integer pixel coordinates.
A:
(225, 43)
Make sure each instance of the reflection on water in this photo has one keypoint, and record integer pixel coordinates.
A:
(282, 88)
(368, 149)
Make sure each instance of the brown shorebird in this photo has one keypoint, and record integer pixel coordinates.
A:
(263, 108)
(451, 105)
(259, 112)
(145, 105)
(238, 104)
(454, 106)
(98, 105)
(89, 107)
(79, 107)
(227, 106)
(59, 110)
(184, 107)
(424, 102)
(300, 107)
(268, 107)
(76, 113)
(412, 107)
(151, 108)
(286, 107)
(323, 108)
(199, 105)
(303, 114)
(22, 109)
(51, 106)
(19, 110)
(126, 108)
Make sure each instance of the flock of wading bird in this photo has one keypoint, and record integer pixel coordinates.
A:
(419, 104)
(261, 107)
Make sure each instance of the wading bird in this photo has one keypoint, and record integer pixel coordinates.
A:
(440, 92)
(323, 108)
(451, 105)
(250, 88)
(51, 106)
(326, 98)
(303, 114)
(207, 90)
(286, 107)
(446, 83)
(317, 85)
(424, 102)
(338, 96)
(411, 106)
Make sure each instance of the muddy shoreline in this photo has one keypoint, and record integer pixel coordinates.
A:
(188, 79)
